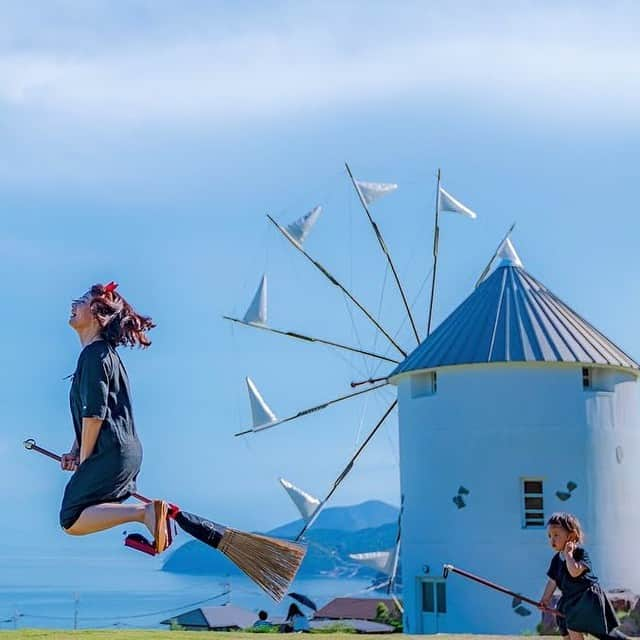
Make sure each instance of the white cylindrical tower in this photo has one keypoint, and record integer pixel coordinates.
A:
(514, 407)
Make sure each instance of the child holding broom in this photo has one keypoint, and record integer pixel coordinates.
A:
(584, 604)
(106, 454)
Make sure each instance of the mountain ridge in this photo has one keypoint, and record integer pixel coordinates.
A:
(338, 532)
(365, 515)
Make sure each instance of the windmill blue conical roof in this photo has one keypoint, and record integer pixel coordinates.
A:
(511, 317)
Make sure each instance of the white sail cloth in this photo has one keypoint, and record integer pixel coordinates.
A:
(260, 410)
(306, 503)
(372, 191)
(382, 561)
(300, 228)
(507, 255)
(257, 311)
(448, 203)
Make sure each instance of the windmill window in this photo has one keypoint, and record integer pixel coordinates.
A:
(441, 600)
(601, 379)
(428, 597)
(434, 596)
(424, 384)
(533, 503)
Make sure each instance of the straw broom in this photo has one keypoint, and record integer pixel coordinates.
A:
(271, 563)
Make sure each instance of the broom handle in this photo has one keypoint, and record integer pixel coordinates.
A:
(31, 445)
(497, 587)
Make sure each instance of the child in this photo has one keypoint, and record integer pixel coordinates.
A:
(297, 619)
(262, 622)
(584, 604)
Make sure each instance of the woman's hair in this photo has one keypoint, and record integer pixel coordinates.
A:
(120, 323)
(294, 610)
(569, 523)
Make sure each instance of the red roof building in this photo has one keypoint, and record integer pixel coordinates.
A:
(355, 608)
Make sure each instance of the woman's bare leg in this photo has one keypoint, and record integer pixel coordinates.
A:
(575, 635)
(108, 515)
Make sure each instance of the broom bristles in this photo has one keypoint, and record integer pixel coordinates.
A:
(270, 562)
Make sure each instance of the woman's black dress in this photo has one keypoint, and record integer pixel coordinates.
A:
(583, 602)
(100, 389)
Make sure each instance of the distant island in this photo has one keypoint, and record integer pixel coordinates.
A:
(338, 531)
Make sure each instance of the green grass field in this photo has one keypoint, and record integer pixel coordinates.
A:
(37, 634)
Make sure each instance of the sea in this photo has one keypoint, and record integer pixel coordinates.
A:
(122, 588)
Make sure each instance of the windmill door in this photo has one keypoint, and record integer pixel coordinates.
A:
(433, 603)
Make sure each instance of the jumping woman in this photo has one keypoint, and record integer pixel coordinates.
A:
(106, 454)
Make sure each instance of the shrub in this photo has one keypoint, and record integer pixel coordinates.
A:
(384, 616)
(174, 626)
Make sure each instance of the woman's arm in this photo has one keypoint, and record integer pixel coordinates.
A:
(548, 592)
(94, 393)
(90, 432)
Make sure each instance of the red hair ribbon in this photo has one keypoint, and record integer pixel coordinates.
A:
(111, 287)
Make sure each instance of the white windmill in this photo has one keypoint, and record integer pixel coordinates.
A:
(297, 233)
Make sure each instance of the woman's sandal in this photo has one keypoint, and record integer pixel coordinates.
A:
(162, 531)
(140, 543)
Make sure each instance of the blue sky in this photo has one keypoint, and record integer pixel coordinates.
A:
(144, 143)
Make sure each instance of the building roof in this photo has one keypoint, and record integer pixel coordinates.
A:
(355, 608)
(223, 617)
(511, 317)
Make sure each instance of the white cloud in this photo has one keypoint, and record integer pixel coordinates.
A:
(563, 65)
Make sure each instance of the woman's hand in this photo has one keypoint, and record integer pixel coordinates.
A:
(69, 461)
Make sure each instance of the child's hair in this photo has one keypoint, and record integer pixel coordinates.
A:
(262, 614)
(569, 523)
(294, 610)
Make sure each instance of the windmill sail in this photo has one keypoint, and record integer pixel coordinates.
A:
(257, 311)
(260, 410)
(504, 254)
(372, 191)
(300, 228)
(307, 504)
(486, 270)
(382, 561)
(449, 203)
(507, 253)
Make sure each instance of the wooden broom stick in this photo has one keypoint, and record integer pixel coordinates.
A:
(449, 568)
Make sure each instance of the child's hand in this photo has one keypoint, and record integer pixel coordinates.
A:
(544, 605)
(569, 548)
